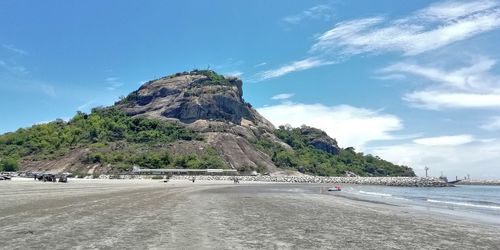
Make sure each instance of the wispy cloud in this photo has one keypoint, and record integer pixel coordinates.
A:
(307, 63)
(282, 96)
(435, 26)
(390, 77)
(13, 68)
(318, 12)
(260, 64)
(492, 124)
(21, 84)
(438, 100)
(475, 76)
(473, 86)
(427, 29)
(352, 126)
(113, 83)
(14, 49)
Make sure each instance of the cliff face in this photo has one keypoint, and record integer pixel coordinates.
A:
(194, 96)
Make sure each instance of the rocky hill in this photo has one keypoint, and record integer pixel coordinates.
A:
(194, 119)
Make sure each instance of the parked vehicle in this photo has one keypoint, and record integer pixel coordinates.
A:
(4, 178)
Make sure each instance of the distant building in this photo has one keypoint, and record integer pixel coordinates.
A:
(181, 171)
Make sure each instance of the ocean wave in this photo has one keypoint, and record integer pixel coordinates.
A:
(464, 204)
(376, 194)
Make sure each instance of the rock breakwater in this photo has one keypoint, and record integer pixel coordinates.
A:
(387, 181)
(479, 182)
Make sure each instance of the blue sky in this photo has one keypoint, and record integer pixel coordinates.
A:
(415, 82)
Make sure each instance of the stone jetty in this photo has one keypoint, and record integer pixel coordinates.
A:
(387, 181)
(479, 182)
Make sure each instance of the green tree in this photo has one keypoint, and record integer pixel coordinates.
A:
(8, 164)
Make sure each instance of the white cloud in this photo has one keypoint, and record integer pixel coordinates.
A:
(351, 126)
(430, 28)
(472, 86)
(282, 96)
(319, 12)
(14, 49)
(492, 124)
(307, 63)
(450, 140)
(479, 158)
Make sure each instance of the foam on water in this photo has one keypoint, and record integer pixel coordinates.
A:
(375, 193)
(464, 204)
(472, 202)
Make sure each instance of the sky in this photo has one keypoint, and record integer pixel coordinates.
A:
(414, 82)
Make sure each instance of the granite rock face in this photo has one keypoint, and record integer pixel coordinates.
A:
(211, 105)
(191, 97)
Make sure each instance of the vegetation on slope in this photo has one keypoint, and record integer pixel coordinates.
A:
(111, 136)
(308, 159)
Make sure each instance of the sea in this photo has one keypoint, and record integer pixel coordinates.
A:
(472, 202)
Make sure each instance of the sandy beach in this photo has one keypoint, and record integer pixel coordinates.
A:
(150, 214)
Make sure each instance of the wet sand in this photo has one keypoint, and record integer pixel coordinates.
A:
(111, 214)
